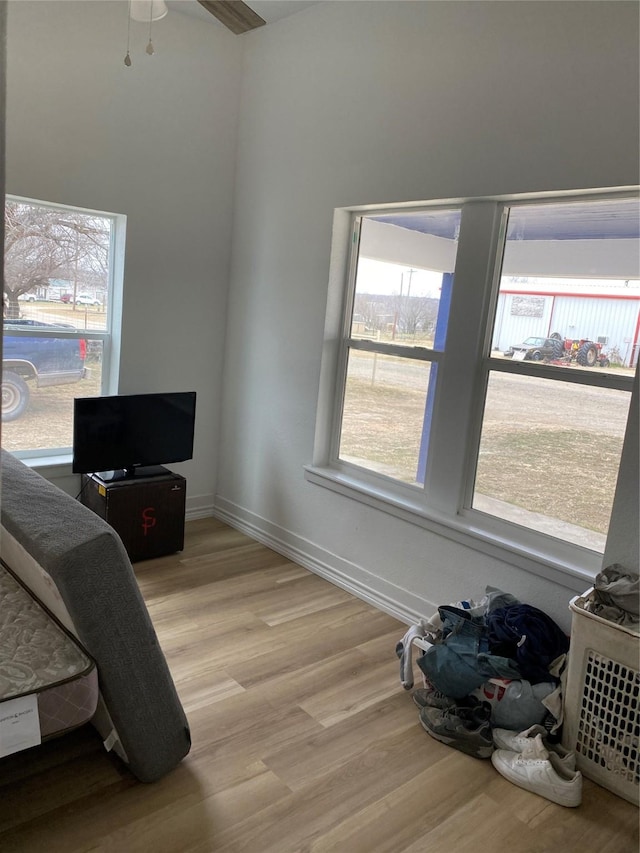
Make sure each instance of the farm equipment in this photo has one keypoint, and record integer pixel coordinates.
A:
(584, 352)
(561, 351)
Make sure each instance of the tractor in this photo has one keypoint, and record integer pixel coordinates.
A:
(584, 352)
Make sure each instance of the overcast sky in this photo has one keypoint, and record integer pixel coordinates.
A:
(388, 279)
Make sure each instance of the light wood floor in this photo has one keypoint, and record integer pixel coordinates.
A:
(303, 738)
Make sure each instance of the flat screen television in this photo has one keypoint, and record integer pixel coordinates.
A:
(132, 435)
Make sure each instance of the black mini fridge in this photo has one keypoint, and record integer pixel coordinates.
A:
(146, 512)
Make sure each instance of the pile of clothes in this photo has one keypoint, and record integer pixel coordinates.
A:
(492, 688)
(497, 649)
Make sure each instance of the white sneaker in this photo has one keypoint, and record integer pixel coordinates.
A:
(520, 741)
(540, 772)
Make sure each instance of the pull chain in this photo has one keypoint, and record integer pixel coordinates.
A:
(150, 45)
(127, 59)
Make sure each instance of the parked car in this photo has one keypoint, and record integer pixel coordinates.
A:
(80, 299)
(84, 299)
(27, 297)
(535, 349)
(45, 360)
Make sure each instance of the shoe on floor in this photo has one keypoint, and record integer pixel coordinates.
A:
(540, 772)
(430, 697)
(520, 741)
(465, 728)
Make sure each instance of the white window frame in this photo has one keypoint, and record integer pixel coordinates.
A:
(444, 504)
(110, 337)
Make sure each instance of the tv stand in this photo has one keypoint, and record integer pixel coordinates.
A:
(146, 510)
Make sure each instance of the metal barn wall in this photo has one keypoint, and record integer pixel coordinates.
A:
(521, 315)
(614, 319)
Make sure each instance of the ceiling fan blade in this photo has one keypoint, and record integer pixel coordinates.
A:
(234, 14)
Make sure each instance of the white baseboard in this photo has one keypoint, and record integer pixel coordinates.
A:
(200, 506)
(390, 598)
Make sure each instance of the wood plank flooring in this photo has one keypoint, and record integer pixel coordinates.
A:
(303, 739)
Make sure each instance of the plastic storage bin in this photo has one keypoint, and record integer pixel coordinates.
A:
(601, 716)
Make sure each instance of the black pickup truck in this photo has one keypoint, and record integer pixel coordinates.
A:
(45, 360)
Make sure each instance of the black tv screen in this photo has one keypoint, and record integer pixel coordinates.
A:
(129, 433)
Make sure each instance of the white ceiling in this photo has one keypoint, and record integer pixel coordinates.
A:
(269, 10)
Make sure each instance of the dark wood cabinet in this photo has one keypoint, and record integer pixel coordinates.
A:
(147, 512)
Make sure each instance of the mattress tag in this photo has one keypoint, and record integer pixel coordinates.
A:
(109, 743)
(19, 724)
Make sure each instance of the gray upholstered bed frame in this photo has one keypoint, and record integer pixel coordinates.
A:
(75, 563)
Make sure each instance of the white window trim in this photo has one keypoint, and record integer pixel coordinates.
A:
(457, 419)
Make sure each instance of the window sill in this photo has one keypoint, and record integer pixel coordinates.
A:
(60, 465)
(569, 565)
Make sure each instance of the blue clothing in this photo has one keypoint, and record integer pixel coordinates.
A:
(463, 660)
(529, 636)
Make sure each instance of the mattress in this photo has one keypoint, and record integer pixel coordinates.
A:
(48, 683)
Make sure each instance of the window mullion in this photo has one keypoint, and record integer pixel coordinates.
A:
(461, 375)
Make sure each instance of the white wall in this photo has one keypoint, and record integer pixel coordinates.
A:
(156, 142)
(370, 103)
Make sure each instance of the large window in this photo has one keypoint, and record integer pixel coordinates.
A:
(480, 374)
(62, 298)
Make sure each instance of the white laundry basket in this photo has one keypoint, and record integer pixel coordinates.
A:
(601, 716)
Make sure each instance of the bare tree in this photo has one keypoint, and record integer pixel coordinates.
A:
(368, 309)
(42, 243)
(418, 314)
(406, 314)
